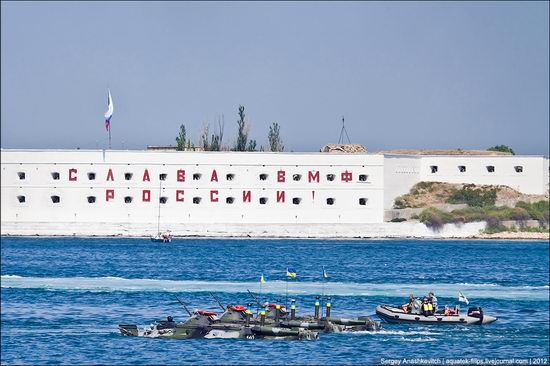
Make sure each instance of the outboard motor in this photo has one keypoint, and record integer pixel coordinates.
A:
(476, 312)
(416, 307)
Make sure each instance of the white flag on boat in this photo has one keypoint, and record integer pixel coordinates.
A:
(462, 298)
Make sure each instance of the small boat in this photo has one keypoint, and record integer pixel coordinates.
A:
(165, 237)
(392, 314)
(162, 238)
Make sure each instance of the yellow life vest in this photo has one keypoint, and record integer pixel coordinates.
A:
(427, 307)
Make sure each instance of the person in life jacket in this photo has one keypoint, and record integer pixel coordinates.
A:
(427, 307)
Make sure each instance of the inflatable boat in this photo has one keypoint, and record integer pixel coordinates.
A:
(393, 314)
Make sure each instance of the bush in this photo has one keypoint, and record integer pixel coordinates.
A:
(536, 210)
(434, 218)
(398, 219)
(474, 197)
(502, 148)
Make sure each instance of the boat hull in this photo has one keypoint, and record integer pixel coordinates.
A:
(397, 316)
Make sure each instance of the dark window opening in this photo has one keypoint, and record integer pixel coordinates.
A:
(197, 176)
(230, 200)
(127, 199)
(55, 175)
(55, 199)
(363, 177)
(433, 168)
(297, 177)
(263, 200)
(163, 200)
(91, 199)
(519, 169)
(128, 176)
(196, 200)
(91, 176)
(229, 176)
(21, 175)
(330, 177)
(296, 200)
(21, 199)
(163, 176)
(263, 176)
(490, 168)
(462, 168)
(362, 201)
(330, 201)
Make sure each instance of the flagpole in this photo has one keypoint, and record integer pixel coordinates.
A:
(286, 300)
(109, 136)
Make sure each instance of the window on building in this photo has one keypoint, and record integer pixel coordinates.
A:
(163, 200)
(230, 176)
(330, 201)
(296, 200)
(263, 176)
(330, 177)
(433, 168)
(128, 199)
(263, 200)
(462, 168)
(230, 200)
(128, 176)
(196, 200)
(163, 176)
(518, 168)
(21, 199)
(197, 176)
(491, 168)
(297, 177)
(363, 201)
(91, 176)
(363, 177)
(55, 199)
(91, 199)
(21, 175)
(55, 175)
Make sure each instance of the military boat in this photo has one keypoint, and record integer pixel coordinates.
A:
(393, 314)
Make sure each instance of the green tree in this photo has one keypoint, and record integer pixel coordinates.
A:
(502, 148)
(274, 137)
(242, 136)
(251, 145)
(180, 140)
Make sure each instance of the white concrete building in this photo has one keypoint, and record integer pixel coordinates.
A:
(118, 192)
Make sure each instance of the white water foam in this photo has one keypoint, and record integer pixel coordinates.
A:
(109, 284)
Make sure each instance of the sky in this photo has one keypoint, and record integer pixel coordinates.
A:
(432, 75)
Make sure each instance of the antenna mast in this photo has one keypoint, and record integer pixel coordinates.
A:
(342, 132)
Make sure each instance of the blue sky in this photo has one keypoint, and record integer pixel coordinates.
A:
(404, 74)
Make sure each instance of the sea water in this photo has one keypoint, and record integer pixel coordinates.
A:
(62, 298)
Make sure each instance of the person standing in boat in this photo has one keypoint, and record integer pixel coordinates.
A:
(433, 300)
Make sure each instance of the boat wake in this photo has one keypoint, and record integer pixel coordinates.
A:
(111, 284)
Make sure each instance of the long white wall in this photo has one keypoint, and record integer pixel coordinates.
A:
(110, 188)
(526, 174)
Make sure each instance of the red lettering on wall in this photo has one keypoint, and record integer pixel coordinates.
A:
(313, 176)
(146, 176)
(346, 176)
(280, 196)
(109, 194)
(146, 195)
(214, 176)
(214, 196)
(181, 175)
(281, 176)
(110, 175)
(72, 174)
(179, 195)
(246, 196)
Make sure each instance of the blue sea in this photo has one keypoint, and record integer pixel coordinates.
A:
(62, 298)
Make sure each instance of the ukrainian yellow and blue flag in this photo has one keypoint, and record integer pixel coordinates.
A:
(262, 279)
(290, 272)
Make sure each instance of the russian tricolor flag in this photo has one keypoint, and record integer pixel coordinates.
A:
(109, 112)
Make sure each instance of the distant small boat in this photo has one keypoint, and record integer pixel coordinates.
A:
(161, 237)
